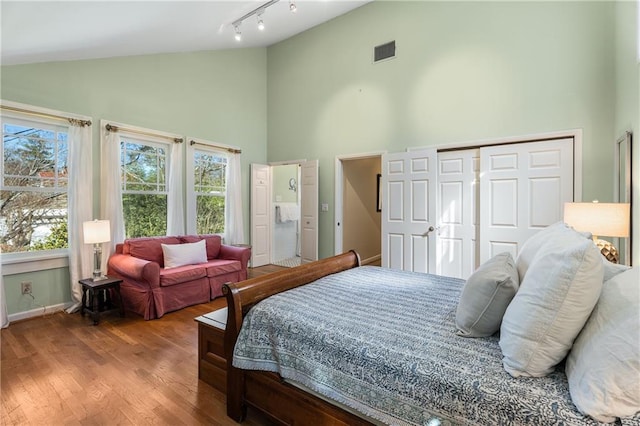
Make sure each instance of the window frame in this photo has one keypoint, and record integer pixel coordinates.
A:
(199, 145)
(32, 261)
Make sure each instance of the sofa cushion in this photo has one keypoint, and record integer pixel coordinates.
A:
(213, 243)
(181, 274)
(220, 267)
(148, 248)
(184, 254)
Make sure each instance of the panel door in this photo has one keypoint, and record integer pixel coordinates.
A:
(458, 213)
(260, 214)
(523, 188)
(408, 210)
(309, 212)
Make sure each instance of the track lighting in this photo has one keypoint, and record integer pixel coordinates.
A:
(258, 11)
(260, 22)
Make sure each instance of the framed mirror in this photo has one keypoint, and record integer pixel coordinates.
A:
(622, 190)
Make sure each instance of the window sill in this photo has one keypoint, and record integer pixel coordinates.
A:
(19, 263)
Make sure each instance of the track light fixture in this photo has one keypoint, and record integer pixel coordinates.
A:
(258, 12)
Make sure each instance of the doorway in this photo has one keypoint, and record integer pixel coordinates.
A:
(358, 217)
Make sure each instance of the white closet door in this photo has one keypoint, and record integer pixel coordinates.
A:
(260, 214)
(408, 210)
(523, 188)
(309, 212)
(458, 212)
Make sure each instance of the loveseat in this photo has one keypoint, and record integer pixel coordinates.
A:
(164, 274)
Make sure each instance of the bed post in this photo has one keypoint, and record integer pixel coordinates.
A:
(236, 409)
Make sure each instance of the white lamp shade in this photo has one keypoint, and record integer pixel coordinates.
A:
(96, 231)
(601, 219)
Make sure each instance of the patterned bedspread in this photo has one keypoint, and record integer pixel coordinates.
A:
(383, 343)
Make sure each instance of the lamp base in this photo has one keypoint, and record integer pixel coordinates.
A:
(608, 250)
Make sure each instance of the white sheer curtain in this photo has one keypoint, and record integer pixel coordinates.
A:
(234, 224)
(4, 318)
(80, 205)
(175, 198)
(111, 190)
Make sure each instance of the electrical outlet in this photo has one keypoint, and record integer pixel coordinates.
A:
(26, 287)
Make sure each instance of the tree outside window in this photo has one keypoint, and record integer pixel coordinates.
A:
(210, 186)
(33, 199)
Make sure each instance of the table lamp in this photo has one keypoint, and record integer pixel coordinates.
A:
(608, 219)
(97, 232)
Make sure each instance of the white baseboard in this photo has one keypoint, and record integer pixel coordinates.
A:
(38, 312)
(372, 259)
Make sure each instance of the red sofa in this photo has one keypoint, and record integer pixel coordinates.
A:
(151, 290)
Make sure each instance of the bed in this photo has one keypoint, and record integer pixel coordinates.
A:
(351, 344)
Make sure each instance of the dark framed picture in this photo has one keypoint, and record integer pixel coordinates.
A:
(378, 197)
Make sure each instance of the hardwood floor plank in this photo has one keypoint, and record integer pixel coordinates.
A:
(60, 369)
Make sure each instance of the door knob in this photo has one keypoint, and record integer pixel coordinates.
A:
(430, 230)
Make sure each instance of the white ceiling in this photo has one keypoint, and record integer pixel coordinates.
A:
(43, 31)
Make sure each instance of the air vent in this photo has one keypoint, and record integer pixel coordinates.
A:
(384, 51)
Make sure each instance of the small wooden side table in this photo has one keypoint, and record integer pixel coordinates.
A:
(100, 297)
(212, 364)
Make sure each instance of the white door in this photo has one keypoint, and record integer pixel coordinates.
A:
(309, 212)
(408, 210)
(458, 213)
(523, 188)
(260, 214)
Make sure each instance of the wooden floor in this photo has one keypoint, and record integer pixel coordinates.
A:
(60, 369)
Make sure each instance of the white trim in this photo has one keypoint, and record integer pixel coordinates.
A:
(123, 127)
(39, 312)
(37, 109)
(372, 259)
(19, 263)
(287, 162)
(339, 191)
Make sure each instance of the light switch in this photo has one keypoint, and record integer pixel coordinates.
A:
(325, 207)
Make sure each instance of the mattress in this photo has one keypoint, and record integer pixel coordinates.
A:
(383, 342)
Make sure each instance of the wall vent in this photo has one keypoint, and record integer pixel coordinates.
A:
(384, 51)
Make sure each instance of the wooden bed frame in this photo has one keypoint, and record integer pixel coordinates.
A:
(265, 391)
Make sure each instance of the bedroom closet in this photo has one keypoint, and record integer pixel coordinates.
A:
(284, 213)
(447, 211)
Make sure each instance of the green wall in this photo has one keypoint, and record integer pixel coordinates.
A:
(464, 71)
(218, 96)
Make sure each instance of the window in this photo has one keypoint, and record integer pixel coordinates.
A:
(143, 170)
(207, 190)
(33, 196)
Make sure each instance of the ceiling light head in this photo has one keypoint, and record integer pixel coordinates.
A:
(238, 35)
(292, 6)
(260, 22)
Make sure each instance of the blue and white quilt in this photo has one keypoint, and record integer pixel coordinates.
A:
(383, 342)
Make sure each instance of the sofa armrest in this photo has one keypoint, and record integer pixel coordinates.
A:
(241, 254)
(135, 269)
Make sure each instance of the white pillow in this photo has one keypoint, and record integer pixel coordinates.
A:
(184, 254)
(558, 234)
(612, 269)
(555, 298)
(486, 295)
(603, 366)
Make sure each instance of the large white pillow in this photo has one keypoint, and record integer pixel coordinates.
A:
(556, 235)
(486, 295)
(558, 293)
(184, 254)
(603, 366)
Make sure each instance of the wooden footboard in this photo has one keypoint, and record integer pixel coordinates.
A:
(266, 392)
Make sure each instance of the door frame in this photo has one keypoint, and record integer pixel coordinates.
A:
(339, 193)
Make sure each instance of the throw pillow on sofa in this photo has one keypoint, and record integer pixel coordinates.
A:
(184, 254)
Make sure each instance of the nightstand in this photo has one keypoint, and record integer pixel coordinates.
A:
(212, 363)
(99, 296)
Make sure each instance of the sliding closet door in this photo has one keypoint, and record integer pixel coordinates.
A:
(458, 213)
(408, 210)
(523, 188)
